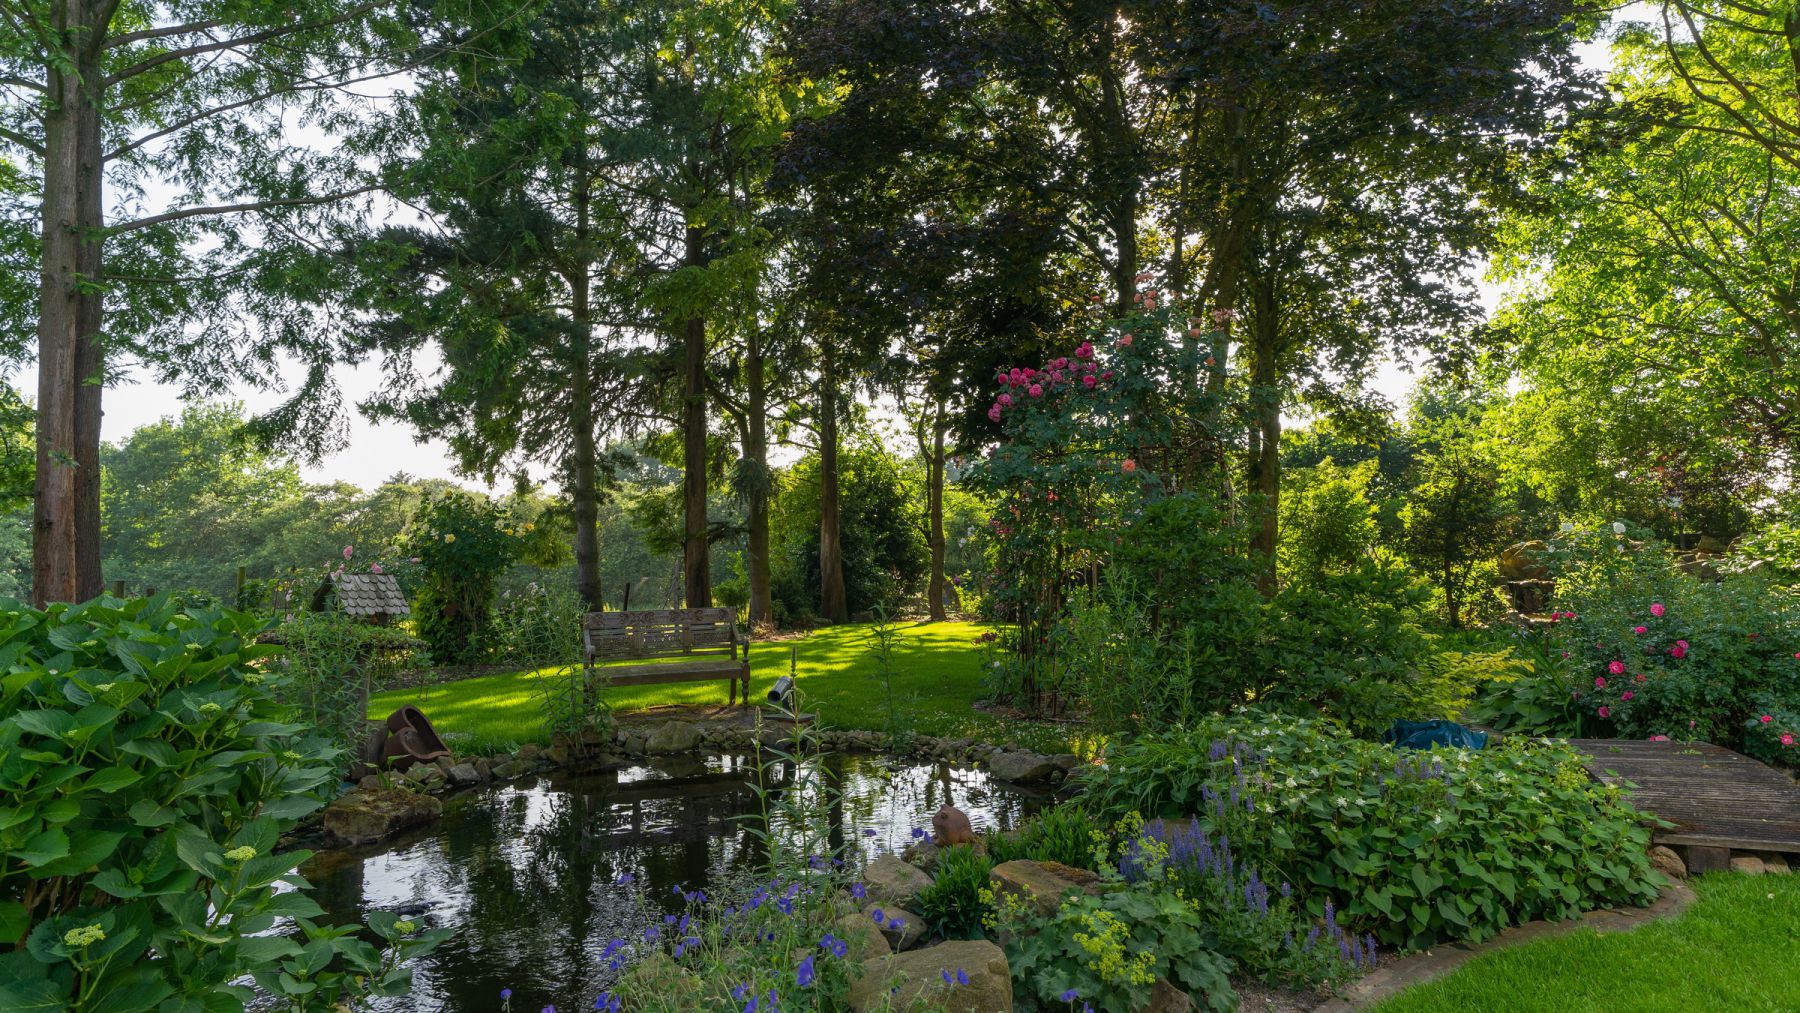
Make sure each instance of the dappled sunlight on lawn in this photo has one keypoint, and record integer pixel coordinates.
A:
(937, 680)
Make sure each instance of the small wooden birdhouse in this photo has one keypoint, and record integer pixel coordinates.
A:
(374, 598)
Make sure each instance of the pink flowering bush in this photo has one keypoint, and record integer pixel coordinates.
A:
(1103, 467)
(1654, 652)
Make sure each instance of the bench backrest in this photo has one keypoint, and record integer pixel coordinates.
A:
(661, 633)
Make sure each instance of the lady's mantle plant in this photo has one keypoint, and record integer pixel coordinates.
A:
(147, 771)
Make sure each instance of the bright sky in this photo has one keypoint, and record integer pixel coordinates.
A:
(375, 451)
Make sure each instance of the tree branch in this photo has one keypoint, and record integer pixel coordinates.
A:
(234, 209)
(22, 141)
(236, 42)
(161, 33)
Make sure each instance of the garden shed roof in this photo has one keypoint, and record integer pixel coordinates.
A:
(368, 594)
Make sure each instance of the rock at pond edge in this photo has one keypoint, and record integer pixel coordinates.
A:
(364, 815)
(916, 980)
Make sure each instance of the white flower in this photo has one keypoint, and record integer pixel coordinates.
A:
(1340, 801)
(1568, 526)
(1618, 527)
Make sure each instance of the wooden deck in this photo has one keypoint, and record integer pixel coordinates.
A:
(1716, 798)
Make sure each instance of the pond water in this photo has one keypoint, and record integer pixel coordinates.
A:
(530, 874)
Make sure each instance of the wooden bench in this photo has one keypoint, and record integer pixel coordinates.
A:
(708, 637)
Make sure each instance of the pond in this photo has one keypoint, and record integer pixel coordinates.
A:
(537, 876)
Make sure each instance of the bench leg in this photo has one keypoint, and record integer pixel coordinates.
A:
(734, 682)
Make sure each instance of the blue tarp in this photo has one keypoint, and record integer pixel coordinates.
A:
(1425, 734)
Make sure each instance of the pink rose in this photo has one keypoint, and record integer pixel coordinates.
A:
(1605, 713)
(1625, 695)
(1599, 682)
(994, 414)
(347, 551)
(1659, 738)
(1088, 381)
(1677, 652)
(1128, 466)
(1640, 629)
(1787, 738)
(1681, 644)
(1108, 375)
(1766, 718)
(1639, 677)
(1125, 340)
(1006, 400)
(1616, 668)
(1656, 609)
(1060, 363)
(1035, 390)
(1085, 350)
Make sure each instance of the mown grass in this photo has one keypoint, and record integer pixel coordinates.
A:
(937, 679)
(1736, 949)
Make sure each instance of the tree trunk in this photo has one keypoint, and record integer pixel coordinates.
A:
(584, 496)
(756, 453)
(65, 556)
(934, 506)
(1121, 143)
(696, 567)
(1265, 459)
(832, 604)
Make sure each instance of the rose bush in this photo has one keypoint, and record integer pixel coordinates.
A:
(1654, 651)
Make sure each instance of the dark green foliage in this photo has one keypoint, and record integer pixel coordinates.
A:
(1348, 646)
(1415, 847)
(463, 542)
(957, 902)
(150, 772)
(885, 557)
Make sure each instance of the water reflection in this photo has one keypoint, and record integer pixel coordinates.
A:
(537, 876)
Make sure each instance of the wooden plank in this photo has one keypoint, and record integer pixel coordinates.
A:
(1717, 799)
(649, 675)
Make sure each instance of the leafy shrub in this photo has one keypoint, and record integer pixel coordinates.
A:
(1655, 652)
(959, 898)
(1537, 699)
(1115, 662)
(1773, 552)
(536, 625)
(1327, 520)
(150, 769)
(1108, 951)
(1349, 646)
(328, 656)
(1258, 925)
(1065, 834)
(462, 542)
(1415, 847)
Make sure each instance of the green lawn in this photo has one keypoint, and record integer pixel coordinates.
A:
(1736, 949)
(937, 681)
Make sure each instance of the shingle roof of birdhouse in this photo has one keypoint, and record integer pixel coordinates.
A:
(369, 594)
